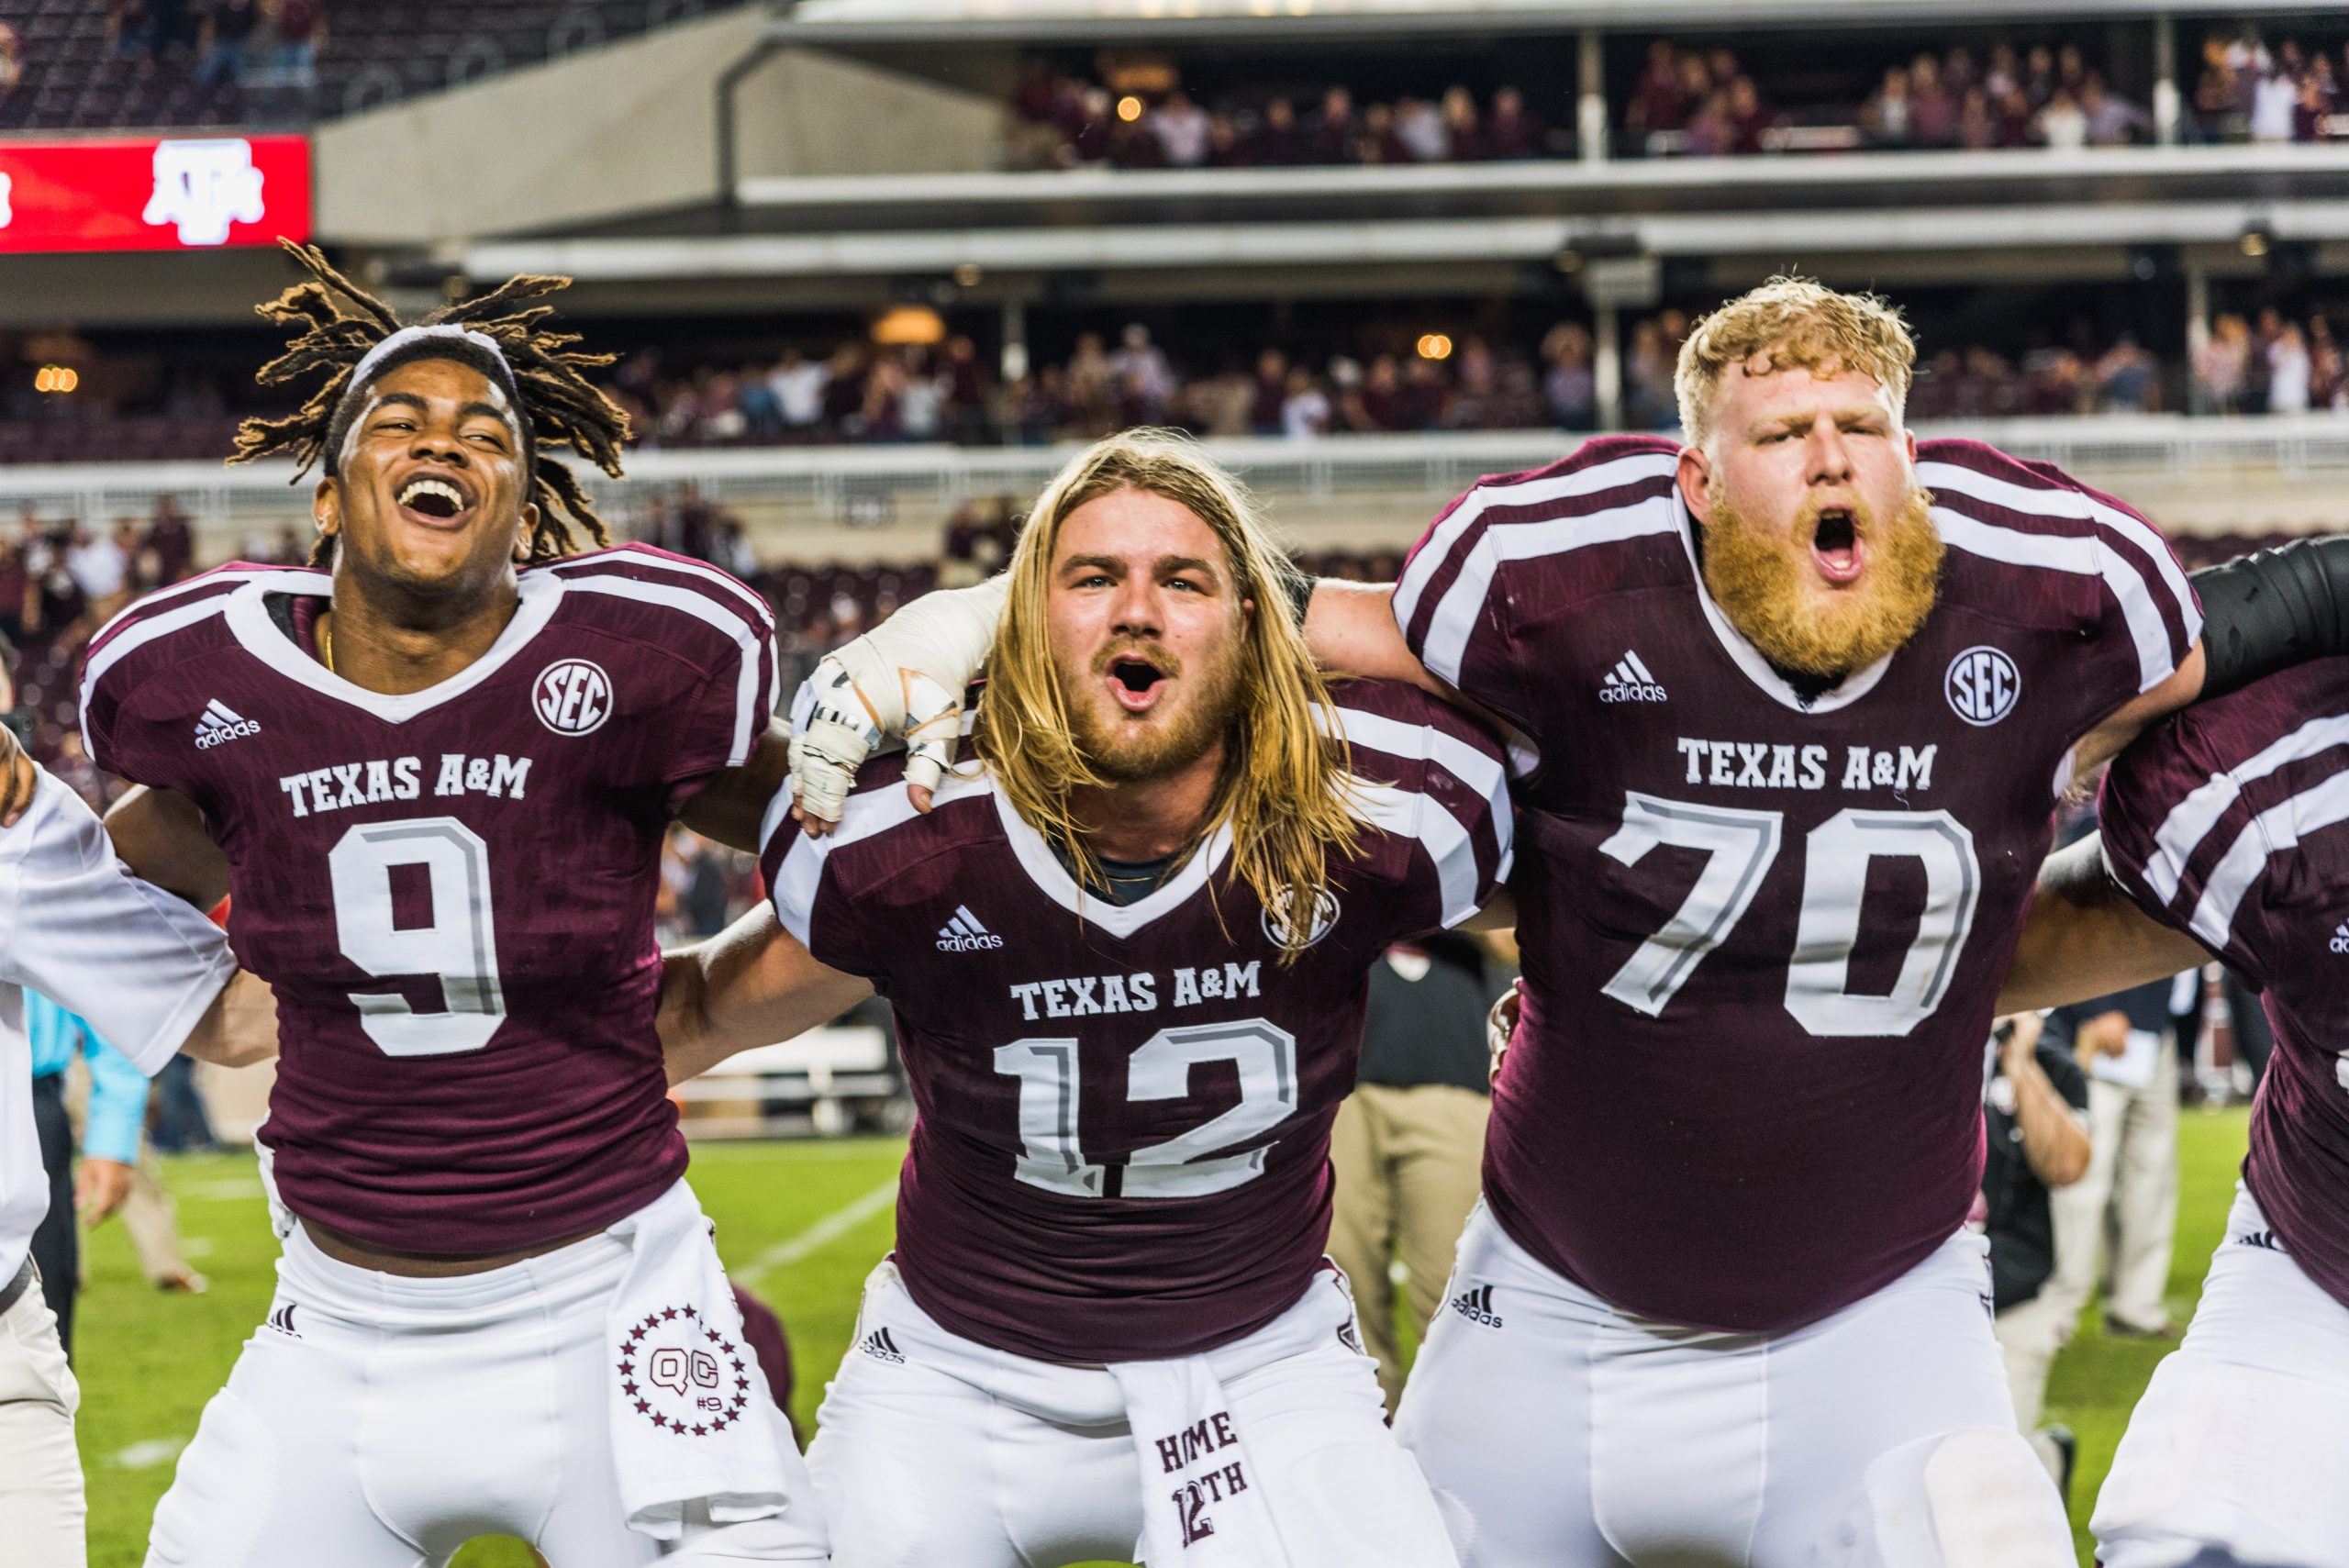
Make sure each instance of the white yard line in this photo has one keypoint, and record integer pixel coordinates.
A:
(149, 1454)
(230, 1189)
(821, 1234)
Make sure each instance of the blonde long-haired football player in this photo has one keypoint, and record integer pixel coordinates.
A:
(1283, 790)
(1794, 696)
(1129, 951)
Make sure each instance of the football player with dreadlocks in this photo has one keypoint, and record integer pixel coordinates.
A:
(435, 769)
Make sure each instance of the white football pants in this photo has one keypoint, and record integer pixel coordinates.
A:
(380, 1421)
(1559, 1432)
(2242, 1438)
(936, 1451)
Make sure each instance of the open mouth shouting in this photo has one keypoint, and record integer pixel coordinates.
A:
(1137, 681)
(1835, 544)
(437, 501)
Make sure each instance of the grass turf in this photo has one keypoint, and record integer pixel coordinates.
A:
(799, 1224)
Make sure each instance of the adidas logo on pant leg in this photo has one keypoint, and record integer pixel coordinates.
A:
(882, 1346)
(1476, 1304)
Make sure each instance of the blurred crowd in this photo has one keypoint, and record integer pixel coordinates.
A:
(2249, 91)
(948, 392)
(1701, 103)
(1148, 120)
(1687, 101)
(2269, 364)
(60, 579)
(248, 43)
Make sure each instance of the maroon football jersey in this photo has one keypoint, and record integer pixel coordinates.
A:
(1762, 934)
(450, 891)
(2231, 823)
(1120, 1150)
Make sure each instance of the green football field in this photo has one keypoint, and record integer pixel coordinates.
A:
(799, 1224)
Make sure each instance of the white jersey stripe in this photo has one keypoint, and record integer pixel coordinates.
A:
(2274, 832)
(146, 605)
(733, 586)
(1455, 615)
(797, 879)
(2059, 502)
(1407, 814)
(2139, 596)
(133, 638)
(1442, 541)
(1376, 731)
(2082, 555)
(751, 713)
(2192, 819)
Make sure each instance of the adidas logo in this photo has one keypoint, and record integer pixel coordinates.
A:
(2263, 1239)
(1629, 681)
(963, 933)
(220, 722)
(283, 1321)
(880, 1346)
(2340, 937)
(1476, 1304)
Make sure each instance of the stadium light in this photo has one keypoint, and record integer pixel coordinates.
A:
(1435, 346)
(1130, 109)
(56, 379)
(909, 325)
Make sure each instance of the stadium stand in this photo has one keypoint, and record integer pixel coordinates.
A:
(83, 65)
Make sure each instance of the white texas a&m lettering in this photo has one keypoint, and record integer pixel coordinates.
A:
(202, 185)
(322, 790)
(1082, 996)
(7, 214)
(1739, 765)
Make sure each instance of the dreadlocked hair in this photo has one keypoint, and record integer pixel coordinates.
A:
(555, 405)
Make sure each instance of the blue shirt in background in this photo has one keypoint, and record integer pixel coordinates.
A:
(118, 1114)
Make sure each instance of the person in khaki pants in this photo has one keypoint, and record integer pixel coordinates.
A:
(2125, 1208)
(2036, 1123)
(1409, 1141)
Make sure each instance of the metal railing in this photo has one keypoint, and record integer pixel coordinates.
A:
(853, 485)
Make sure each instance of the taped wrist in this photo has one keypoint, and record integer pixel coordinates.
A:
(2271, 610)
(945, 635)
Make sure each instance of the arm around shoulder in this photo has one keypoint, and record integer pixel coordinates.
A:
(753, 983)
(2084, 937)
(1351, 629)
(161, 836)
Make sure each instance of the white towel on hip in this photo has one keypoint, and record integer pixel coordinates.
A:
(691, 1413)
(1201, 1504)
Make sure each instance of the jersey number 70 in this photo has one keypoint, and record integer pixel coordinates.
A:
(1739, 846)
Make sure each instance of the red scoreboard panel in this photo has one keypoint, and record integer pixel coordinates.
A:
(181, 193)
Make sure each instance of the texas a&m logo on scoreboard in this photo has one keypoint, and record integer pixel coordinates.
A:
(155, 194)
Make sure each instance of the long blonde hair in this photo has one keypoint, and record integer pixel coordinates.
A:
(1284, 789)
